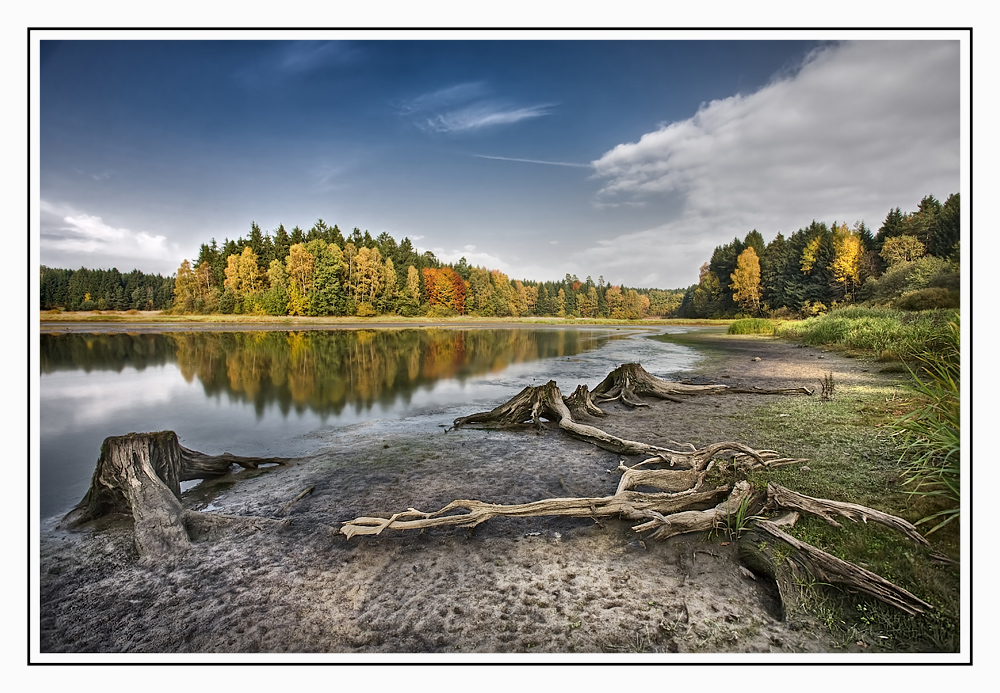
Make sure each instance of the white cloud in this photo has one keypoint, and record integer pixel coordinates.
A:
(482, 115)
(73, 238)
(473, 258)
(860, 128)
(466, 107)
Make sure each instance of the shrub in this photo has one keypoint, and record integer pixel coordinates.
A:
(906, 277)
(927, 299)
(365, 310)
(441, 312)
(752, 326)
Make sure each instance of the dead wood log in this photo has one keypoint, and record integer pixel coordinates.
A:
(470, 513)
(664, 527)
(630, 381)
(765, 550)
(781, 497)
(139, 474)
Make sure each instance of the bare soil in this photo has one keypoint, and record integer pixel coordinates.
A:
(555, 585)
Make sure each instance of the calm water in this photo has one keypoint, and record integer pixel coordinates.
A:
(291, 393)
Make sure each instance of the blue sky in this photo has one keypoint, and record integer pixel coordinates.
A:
(628, 159)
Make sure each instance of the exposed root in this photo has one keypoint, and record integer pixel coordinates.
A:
(630, 381)
(781, 497)
(806, 561)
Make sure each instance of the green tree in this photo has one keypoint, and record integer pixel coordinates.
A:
(902, 249)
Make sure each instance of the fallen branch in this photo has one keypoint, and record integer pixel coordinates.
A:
(627, 504)
(757, 552)
(779, 496)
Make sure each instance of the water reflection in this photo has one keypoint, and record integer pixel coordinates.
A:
(319, 371)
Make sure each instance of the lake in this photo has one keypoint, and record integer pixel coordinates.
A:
(291, 393)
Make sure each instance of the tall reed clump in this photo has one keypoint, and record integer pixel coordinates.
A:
(932, 433)
(752, 326)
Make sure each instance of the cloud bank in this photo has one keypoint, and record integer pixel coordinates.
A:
(71, 239)
(858, 129)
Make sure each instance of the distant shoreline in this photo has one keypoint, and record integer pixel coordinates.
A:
(55, 323)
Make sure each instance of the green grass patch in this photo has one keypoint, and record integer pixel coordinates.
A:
(883, 332)
(855, 454)
(752, 326)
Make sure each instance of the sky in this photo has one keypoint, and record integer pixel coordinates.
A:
(627, 159)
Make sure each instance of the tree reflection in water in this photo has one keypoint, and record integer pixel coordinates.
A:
(324, 371)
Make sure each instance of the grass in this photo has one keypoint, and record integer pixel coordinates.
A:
(854, 455)
(932, 433)
(752, 326)
(884, 332)
(889, 445)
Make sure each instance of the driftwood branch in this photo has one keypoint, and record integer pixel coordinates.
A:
(806, 560)
(781, 497)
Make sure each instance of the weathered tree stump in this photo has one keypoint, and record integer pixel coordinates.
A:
(580, 401)
(139, 474)
(630, 381)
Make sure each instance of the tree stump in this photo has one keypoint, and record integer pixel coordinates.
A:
(630, 381)
(139, 474)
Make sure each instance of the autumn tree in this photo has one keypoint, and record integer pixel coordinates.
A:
(616, 303)
(848, 252)
(409, 297)
(745, 280)
(299, 267)
(185, 287)
(367, 276)
(902, 249)
(275, 299)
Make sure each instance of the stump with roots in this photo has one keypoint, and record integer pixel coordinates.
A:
(139, 474)
(680, 503)
(630, 381)
(665, 494)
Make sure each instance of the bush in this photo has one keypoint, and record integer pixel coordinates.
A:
(365, 310)
(906, 277)
(752, 326)
(441, 312)
(927, 299)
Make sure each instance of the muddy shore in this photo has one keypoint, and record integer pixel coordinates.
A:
(513, 586)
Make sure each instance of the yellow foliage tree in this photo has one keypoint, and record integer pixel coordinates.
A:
(300, 267)
(848, 251)
(745, 280)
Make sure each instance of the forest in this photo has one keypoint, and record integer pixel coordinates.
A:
(911, 262)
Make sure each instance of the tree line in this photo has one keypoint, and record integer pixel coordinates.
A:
(912, 261)
(99, 289)
(322, 271)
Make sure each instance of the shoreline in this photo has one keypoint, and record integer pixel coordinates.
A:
(100, 322)
(514, 586)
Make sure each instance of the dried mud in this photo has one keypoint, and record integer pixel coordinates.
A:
(553, 585)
